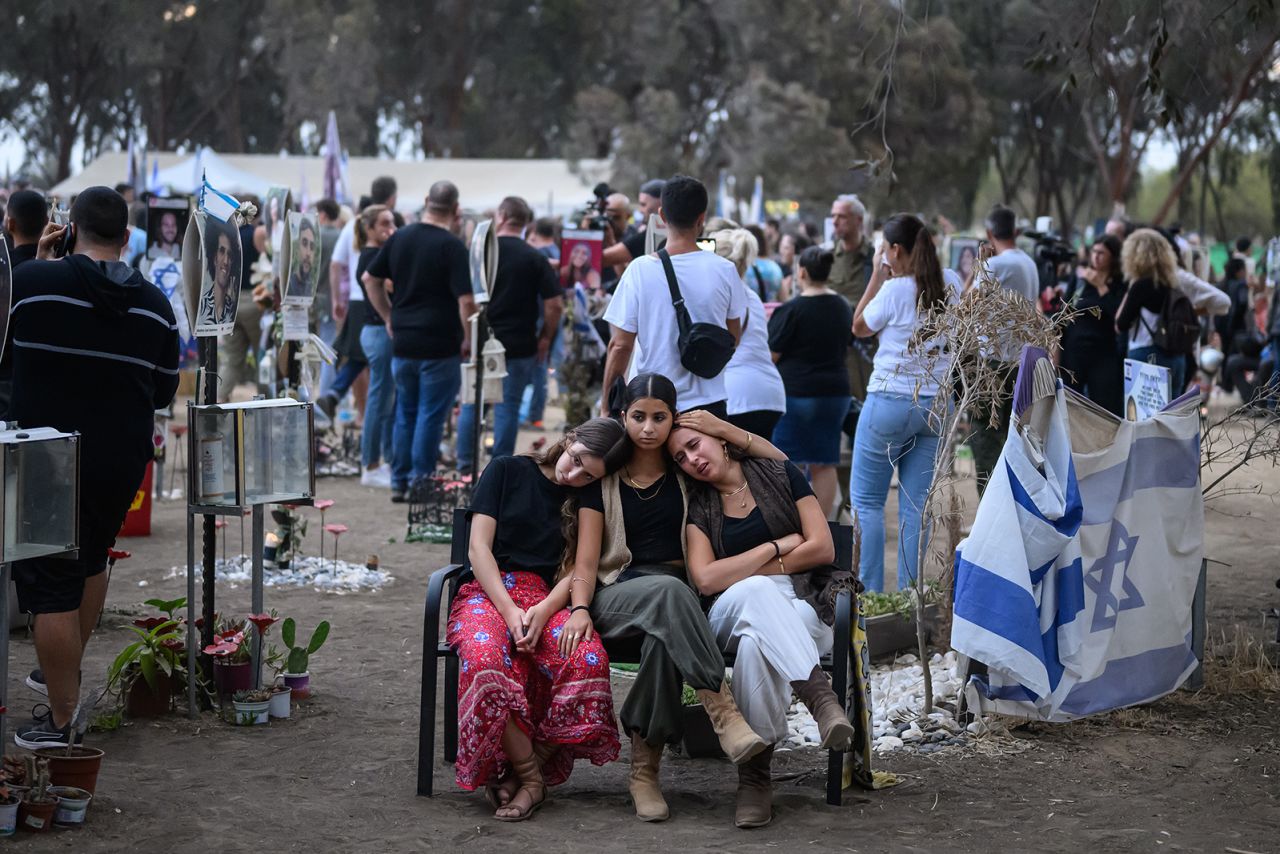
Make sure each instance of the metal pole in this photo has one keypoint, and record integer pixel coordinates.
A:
(191, 616)
(208, 354)
(4, 647)
(477, 439)
(256, 589)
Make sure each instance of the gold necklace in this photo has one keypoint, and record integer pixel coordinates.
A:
(735, 492)
(637, 487)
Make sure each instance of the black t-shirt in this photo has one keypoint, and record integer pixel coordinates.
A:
(371, 316)
(653, 524)
(1143, 293)
(523, 276)
(526, 505)
(635, 244)
(813, 335)
(741, 535)
(431, 271)
(24, 253)
(249, 256)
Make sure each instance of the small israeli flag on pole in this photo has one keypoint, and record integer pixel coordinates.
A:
(216, 203)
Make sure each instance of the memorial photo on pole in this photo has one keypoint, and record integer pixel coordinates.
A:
(303, 259)
(166, 223)
(219, 276)
(964, 255)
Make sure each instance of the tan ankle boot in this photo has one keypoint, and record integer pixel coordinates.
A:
(643, 781)
(737, 738)
(833, 724)
(755, 791)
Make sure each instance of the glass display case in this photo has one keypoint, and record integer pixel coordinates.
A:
(41, 501)
(257, 452)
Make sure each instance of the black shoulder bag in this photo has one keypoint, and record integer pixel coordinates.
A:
(704, 347)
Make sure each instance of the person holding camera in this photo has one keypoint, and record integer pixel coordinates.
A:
(678, 298)
(94, 349)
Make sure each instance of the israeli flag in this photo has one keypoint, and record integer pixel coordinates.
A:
(216, 203)
(1076, 583)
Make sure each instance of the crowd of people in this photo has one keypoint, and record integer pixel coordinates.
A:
(686, 511)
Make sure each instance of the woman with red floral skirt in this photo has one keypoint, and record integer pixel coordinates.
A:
(531, 700)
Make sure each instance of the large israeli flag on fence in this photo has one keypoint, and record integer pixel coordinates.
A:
(1075, 585)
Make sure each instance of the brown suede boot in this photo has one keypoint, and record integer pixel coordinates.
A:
(755, 791)
(833, 724)
(737, 739)
(643, 781)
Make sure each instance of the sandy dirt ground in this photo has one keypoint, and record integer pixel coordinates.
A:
(1190, 772)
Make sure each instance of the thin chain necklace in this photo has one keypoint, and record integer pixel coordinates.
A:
(637, 487)
(735, 492)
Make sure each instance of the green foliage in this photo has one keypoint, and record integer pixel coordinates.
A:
(156, 651)
(874, 604)
(299, 657)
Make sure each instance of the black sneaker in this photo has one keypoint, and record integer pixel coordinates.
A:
(399, 495)
(35, 681)
(41, 732)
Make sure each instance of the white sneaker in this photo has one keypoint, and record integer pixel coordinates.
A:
(379, 478)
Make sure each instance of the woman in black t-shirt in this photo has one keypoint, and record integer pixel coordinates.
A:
(528, 705)
(810, 338)
(629, 558)
(1091, 362)
(758, 540)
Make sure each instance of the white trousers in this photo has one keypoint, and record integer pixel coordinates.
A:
(777, 639)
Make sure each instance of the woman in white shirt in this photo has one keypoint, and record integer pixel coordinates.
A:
(897, 427)
(757, 398)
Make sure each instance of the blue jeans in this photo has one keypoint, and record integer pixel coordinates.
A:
(425, 392)
(506, 415)
(893, 430)
(379, 407)
(1176, 364)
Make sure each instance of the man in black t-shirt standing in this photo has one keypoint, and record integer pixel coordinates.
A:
(25, 217)
(523, 276)
(430, 334)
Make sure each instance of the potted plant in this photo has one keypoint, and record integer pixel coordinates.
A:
(73, 803)
(280, 696)
(8, 810)
(298, 661)
(157, 657)
(251, 706)
(891, 621)
(35, 813)
(232, 659)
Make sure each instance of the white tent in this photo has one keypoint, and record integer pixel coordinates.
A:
(185, 176)
(551, 187)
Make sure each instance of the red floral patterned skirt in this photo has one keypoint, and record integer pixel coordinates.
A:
(553, 699)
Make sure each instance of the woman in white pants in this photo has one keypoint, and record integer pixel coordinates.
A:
(758, 538)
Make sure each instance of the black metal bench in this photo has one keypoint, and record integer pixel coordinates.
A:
(444, 586)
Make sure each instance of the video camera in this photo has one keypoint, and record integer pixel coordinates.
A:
(1051, 251)
(597, 217)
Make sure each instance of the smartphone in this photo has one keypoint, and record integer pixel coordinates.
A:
(68, 244)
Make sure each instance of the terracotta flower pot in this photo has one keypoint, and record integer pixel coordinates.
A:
(144, 702)
(36, 818)
(80, 769)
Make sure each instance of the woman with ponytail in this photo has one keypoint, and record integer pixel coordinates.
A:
(374, 227)
(897, 427)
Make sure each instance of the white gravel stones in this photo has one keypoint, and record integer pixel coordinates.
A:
(897, 694)
(323, 574)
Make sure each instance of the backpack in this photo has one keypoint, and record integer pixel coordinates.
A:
(1178, 329)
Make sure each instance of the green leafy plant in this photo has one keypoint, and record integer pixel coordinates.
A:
(299, 657)
(168, 606)
(158, 650)
(252, 695)
(900, 602)
(107, 721)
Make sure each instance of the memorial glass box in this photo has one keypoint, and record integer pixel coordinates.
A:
(41, 501)
(257, 452)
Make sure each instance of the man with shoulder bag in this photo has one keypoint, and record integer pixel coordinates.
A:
(683, 306)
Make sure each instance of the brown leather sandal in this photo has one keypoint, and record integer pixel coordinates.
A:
(530, 782)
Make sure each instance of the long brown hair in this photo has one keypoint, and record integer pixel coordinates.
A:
(913, 235)
(602, 437)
